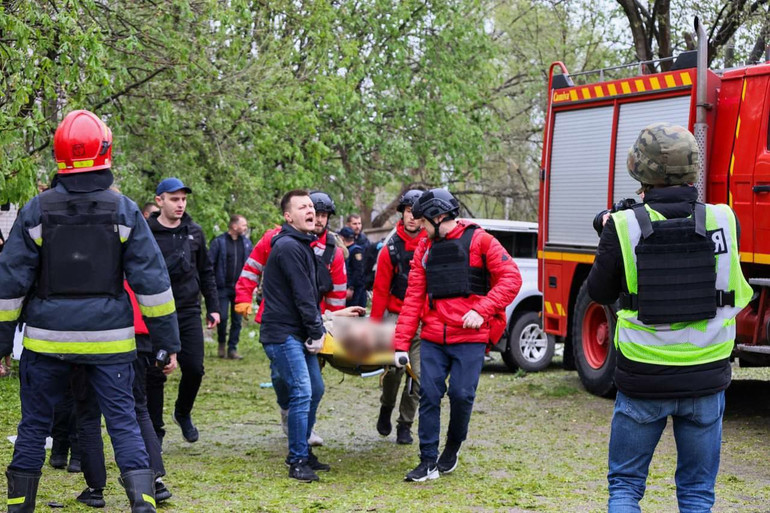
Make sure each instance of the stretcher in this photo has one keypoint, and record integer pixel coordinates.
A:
(377, 364)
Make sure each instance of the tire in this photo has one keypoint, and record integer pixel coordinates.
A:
(508, 358)
(593, 346)
(529, 346)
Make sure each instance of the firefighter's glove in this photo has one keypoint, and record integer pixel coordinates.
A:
(315, 346)
(244, 309)
(401, 359)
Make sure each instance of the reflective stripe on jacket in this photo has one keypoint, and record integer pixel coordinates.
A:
(685, 343)
(89, 329)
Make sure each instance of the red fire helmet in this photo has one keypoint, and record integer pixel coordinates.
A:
(82, 143)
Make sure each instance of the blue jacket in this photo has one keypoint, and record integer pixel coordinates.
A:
(355, 267)
(289, 291)
(218, 257)
(90, 329)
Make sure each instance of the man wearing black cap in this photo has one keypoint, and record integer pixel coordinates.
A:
(184, 248)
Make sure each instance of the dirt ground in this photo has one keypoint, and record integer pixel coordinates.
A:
(538, 442)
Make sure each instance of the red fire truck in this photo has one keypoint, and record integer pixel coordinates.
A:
(588, 131)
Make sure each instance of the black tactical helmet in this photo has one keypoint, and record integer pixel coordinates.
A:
(322, 202)
(435, 202)
(409, 199)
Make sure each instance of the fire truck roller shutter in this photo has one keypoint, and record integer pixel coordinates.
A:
(632, 119)
(580, 162)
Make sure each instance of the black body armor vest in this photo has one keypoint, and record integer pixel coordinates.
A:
(448, 271)
(81, 251)
(676, 270)
(401, 260)
(324, 280)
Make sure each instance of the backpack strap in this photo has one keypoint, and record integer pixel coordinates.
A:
(394, 252)
(643, 218)
(331, 245)
(699, 214)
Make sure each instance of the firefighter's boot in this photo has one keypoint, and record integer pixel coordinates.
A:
(22, 491)
(140, 489)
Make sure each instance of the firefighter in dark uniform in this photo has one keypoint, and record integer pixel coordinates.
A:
(673, 263)
(390, 282)
(460, 283)
(356, 295)
(62, 271)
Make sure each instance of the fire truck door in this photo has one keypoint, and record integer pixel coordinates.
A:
(754, 114)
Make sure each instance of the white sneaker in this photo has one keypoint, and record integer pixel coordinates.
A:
(315, 440)
(285, 421)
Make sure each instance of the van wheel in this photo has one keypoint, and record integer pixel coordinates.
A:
(529, 345)
(592, 343)
(507, 355)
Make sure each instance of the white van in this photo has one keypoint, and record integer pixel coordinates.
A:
(524, 345)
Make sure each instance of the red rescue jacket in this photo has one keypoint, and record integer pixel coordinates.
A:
(442, 319)
(382, 299)
(255, 265)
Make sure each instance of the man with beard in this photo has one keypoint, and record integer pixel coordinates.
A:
(390, 283)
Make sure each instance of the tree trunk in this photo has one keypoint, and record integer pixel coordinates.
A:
(663, 32)
(638, 29)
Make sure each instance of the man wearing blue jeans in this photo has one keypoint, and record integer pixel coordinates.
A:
(460, 283)
(292, 330)
(674, 265)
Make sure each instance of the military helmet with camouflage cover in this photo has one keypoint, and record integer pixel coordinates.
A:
(663, 154)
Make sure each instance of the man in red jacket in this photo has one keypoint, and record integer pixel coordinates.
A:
(460, 283)
(331, 280)
(390, 281)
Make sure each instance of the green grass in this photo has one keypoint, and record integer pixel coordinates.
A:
(538, 442)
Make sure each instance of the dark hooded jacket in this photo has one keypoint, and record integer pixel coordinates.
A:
(191, 272)
(290, 295)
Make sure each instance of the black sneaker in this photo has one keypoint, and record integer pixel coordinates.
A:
(447, 462)
(424, 471)
(313, 463)
(58, 460)
(384, 427)
(93, 497)
(161, 492)
(74, 466)
(301, 471)
(404, 434)
(189, 431)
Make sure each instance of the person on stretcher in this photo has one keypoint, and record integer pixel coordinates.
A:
(357, 338)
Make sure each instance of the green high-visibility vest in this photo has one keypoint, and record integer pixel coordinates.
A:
(682, 343)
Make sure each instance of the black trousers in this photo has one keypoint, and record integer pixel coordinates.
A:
(190, 360)
(89, 425)
(64, 430)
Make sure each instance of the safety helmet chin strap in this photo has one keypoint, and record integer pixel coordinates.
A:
(436, 226)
